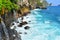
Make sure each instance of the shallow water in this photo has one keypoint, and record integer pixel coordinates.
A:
(44, 25)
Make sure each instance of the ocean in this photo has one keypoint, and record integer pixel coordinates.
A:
(44, 25)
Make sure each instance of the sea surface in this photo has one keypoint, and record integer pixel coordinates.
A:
(44, 25)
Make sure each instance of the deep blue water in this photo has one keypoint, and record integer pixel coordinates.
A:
(45, 24)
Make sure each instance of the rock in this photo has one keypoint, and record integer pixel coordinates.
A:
(12, 23)
(25, 14)
(21, 18)
(26, 28)
(29, 21)
(23, 23)
(25, 32)
(20, 25)
(17, 21)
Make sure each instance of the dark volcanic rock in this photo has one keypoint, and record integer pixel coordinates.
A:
(21, 18)
(23, 23)
(20, 25)
(17, 21)
(26, 28)
(12, 23)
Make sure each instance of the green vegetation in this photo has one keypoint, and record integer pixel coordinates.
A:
(7, 4)
(39, 3)
(43, 3)
(36, 1)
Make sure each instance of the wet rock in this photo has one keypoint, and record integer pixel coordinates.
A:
(20, 25)
(17, 21)
(0, 20)
(23, 23)
(22, 18)
(12, 23)
(25, 14)
(29, 21)
(26, 28)
(14, 27)
(20, 32)
(29, 12)
(25, 32)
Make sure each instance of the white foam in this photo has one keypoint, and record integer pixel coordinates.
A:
(57, 38)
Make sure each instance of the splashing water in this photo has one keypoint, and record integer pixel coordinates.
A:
(44, 25)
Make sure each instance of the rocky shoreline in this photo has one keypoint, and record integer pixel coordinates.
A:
(12, 33)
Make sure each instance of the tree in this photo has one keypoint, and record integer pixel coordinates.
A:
(7, 4)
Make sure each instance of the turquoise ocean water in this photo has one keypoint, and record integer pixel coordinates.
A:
(44, 25)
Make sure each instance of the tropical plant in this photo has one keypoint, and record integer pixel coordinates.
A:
(7, 4)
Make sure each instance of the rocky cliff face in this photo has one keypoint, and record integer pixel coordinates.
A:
(45, 3)
(42, 3)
